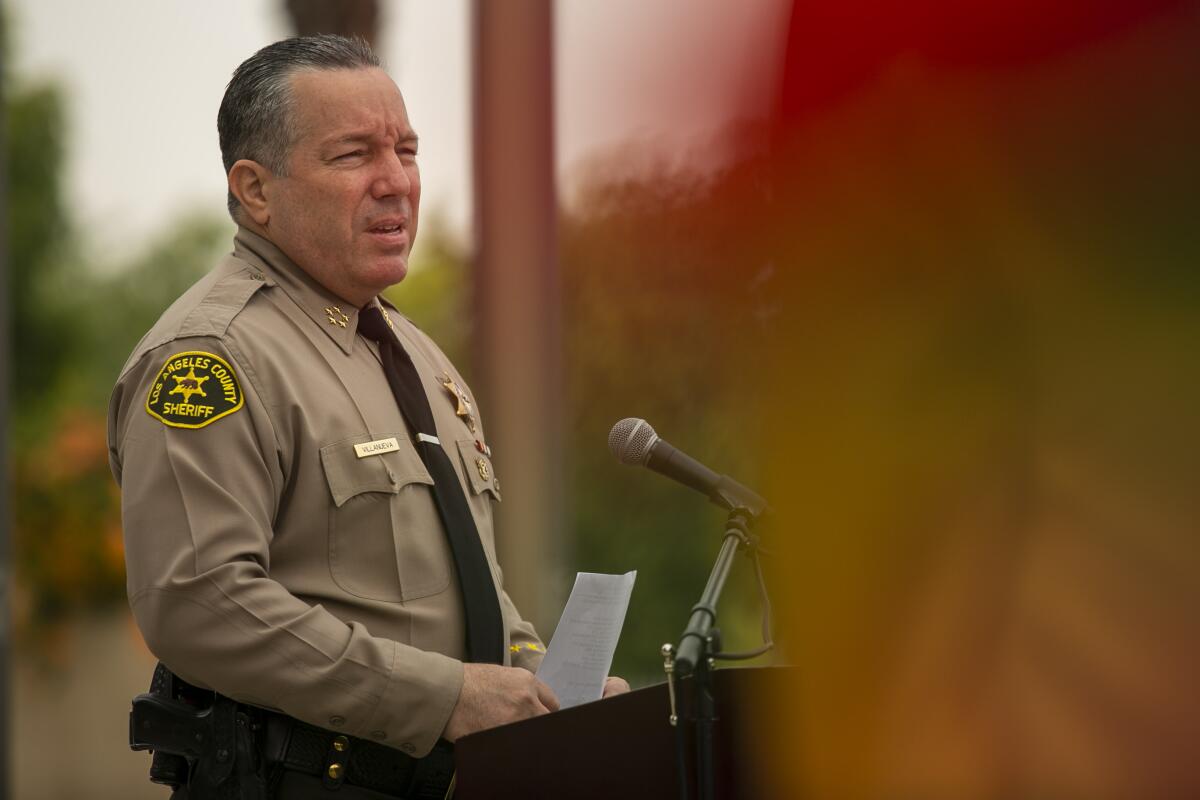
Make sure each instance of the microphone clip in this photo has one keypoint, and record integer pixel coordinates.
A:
(738, 500)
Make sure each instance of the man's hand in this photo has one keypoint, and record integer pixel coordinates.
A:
(614, 685)
(493, 695)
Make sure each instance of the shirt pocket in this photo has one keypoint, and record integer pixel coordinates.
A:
(385, 537)
(478, 467)
(482, 490)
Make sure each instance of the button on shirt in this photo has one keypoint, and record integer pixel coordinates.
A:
(287, 553)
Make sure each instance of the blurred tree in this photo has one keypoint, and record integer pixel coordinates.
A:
(664, 311)
(71, 331)
(44, 333)
(120, 309)
(436, 293)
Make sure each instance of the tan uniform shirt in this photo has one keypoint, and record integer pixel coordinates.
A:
(272, 554)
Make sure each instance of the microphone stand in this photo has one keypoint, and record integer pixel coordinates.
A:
(700, 647)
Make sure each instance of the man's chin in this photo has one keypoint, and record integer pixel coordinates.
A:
(388, 272)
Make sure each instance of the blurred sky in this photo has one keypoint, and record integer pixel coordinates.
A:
(144, 81)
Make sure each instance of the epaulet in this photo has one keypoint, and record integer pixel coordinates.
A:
(208, 307)
(236, 283)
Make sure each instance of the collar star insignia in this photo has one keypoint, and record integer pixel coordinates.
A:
(188, 385)
(336, 317)
(462, 403)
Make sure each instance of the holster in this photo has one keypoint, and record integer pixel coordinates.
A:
(200, 739)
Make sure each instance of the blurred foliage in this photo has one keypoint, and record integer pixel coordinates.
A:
(666, 303)
(436, 293)
(72, 328)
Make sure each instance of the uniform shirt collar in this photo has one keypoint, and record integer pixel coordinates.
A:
(337, 317)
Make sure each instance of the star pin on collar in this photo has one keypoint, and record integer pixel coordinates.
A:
(462, 403)
(336, 317)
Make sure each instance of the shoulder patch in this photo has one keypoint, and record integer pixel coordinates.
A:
(194, 389)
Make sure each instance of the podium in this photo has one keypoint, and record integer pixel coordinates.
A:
(624, 746)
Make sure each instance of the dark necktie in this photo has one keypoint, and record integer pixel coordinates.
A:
(485, 627)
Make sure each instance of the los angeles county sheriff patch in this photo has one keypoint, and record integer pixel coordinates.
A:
(194, 389)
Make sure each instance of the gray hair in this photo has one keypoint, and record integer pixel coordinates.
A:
(255, 119)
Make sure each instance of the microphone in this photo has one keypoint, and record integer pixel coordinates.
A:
(633, 441)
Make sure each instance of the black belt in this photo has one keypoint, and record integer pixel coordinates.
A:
(216, 747)
(338, 760)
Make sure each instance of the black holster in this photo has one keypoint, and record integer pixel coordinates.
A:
(200, 739)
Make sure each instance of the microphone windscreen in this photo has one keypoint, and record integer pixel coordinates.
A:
(630, 440)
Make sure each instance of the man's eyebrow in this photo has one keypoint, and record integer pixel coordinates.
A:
(349, 138)
(355, 137)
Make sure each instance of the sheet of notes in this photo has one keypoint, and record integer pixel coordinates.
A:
(581, 651)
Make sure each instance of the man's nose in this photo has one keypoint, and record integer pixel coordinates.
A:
(392, 178)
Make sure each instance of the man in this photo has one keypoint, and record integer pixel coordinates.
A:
(297, 537)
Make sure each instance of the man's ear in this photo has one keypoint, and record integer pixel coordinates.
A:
(248, 182)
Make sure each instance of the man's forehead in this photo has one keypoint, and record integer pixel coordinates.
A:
(348, 103)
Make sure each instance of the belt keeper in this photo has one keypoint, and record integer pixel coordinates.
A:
(336, 762)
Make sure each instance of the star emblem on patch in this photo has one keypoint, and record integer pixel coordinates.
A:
(188, 385)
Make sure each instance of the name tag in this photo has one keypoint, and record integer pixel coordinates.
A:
(376, 447)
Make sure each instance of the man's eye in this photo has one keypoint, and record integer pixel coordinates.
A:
(407, 152)
(351, 154)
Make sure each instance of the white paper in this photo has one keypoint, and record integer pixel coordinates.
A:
(581, 650)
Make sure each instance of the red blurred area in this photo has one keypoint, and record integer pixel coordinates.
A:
(980, 418)
(836, 48)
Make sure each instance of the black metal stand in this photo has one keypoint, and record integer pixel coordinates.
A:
(700, 647)
(706, 720)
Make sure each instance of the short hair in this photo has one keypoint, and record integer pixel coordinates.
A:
(255, 118)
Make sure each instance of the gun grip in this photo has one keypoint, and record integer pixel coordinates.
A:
(169, 726)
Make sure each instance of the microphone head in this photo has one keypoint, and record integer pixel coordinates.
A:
(631, 440)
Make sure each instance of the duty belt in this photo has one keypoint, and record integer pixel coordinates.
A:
(220, 748)
(336, 759)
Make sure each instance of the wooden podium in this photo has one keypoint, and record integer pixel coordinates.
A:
(622, 747)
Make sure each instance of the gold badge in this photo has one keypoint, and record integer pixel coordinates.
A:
(194, 389)
(484, 472)
(336, 317)
(462, 405)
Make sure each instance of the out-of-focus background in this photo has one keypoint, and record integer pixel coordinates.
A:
(924, 274)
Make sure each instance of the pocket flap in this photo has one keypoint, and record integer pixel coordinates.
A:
(350, 473)
(478, 467)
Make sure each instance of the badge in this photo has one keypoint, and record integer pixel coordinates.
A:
(482, 466)
(194, 389)
(462, 403)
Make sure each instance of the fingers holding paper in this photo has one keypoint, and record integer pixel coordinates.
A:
(494, 695)
(614, 686)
